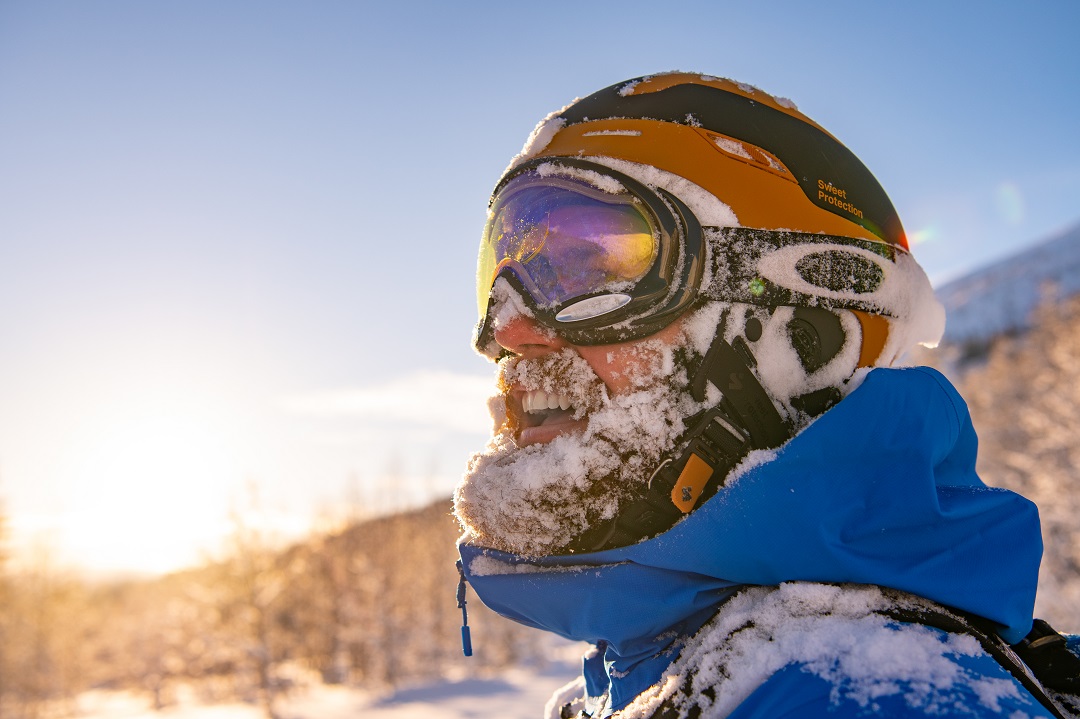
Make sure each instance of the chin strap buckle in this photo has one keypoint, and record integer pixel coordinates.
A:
(719, 438)
(676, 487)
(718, 445)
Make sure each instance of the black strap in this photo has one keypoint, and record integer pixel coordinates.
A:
(720, 437)
(1046, 652)
(845, 271)
(1042, 662)
(717, 440)
(1039, 647)
(743, 394)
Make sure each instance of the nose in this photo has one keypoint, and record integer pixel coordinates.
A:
(526, 338)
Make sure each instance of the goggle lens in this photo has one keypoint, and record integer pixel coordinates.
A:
(565, 238)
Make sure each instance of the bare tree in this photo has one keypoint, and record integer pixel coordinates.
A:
(1025, 403)
(245, 590)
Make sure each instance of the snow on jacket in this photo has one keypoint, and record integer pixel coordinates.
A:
(880, 490)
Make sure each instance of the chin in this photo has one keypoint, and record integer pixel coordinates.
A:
(532, 490)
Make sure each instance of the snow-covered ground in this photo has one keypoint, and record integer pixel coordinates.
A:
(514, 694)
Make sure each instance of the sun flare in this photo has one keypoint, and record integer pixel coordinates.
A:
(152, 477)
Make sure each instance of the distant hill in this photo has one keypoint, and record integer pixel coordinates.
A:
(1024, 398)
(1000, 298)
(1016, 360)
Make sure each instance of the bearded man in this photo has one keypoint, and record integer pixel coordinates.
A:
(703, 463)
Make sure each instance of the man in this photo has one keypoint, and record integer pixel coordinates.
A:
(686, 283)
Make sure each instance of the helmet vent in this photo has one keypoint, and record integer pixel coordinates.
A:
(840, 271)
(750, 154)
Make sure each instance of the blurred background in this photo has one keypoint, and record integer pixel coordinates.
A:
(237, 292)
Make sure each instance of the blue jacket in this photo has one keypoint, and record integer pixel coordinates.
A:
(880, 490)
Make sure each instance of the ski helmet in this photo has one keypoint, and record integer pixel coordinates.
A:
(631, 206)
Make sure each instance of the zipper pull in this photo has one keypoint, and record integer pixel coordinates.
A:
(466, 635)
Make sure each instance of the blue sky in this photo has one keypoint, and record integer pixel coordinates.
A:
(237, 238)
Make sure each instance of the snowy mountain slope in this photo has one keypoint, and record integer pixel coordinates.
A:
(999, 298)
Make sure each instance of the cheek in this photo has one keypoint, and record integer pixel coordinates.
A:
(613, 364)
(622, 367)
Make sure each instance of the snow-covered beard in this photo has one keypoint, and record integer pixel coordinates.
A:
(535, 500)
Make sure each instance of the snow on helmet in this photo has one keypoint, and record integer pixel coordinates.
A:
(748, 201)
(632, 206)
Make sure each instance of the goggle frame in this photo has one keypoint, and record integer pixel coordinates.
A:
(666, 290)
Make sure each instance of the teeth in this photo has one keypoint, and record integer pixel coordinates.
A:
(539, 400)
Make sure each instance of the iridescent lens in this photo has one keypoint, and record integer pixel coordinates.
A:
(565, 238)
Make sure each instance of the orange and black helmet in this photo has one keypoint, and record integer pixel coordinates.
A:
(597, 223)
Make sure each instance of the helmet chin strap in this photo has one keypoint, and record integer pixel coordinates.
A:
(718, 439)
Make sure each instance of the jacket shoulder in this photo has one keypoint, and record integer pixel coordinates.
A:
(796, 693)
(809, 650)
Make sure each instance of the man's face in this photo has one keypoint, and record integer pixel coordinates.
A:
(538, 416)
(578, 432)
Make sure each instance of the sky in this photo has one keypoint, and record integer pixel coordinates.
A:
(237, 239)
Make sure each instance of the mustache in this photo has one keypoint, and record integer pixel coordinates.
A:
(564, 372)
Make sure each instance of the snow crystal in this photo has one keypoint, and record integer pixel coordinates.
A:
(992, 691)
(857, 378)
(508, 305)
(755, 459)
(779, 368)
(621, 133)
(905, 292)
(708, 209)
(535, 499)
(505, 306)
(786, 103)
(539, 138)
(564, 372)
(564, 695)
(920, 317)
(605, 183)
(733, 147)
(497, 409)
(833, 632)
(700, 327)
(484, 566)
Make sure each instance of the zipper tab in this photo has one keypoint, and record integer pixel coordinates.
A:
(466, 635)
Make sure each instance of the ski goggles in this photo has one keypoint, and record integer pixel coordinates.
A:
(600, 258)
(596, 255)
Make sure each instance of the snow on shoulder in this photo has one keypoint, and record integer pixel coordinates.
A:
(837, 634)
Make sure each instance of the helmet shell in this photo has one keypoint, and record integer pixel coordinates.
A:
(773, 166)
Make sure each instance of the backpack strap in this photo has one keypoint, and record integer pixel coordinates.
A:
(1046, 653)
(1041, 662)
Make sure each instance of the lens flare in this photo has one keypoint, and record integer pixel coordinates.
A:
(1010, 202)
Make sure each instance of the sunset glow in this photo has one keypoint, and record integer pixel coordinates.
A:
(149, 480)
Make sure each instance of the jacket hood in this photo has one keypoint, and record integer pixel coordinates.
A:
(881, 489)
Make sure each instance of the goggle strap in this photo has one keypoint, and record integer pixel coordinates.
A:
(840, 267)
